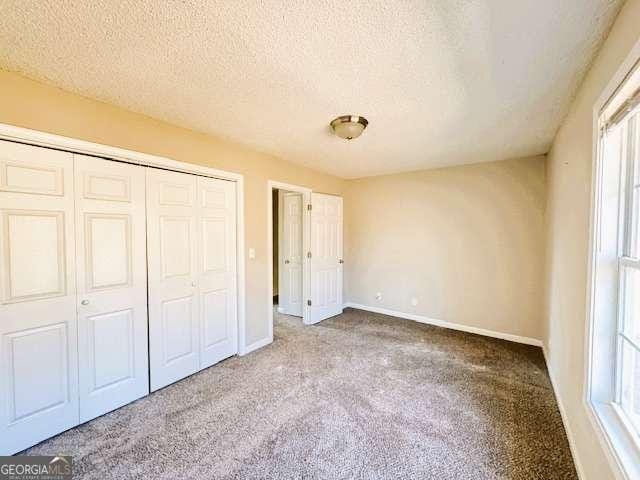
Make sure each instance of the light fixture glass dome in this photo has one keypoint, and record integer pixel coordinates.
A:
(349, 126)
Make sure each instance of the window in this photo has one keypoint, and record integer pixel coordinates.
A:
(614, 369)
(628, 329)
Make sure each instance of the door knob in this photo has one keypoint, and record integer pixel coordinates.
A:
(193, 284)
(341, 261)
(84, 302)
(286, 261)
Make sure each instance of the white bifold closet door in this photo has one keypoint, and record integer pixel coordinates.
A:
(112, 284)
(326, 261)
(191, 223)
(217, 288)
(73, 285)
(38, 345)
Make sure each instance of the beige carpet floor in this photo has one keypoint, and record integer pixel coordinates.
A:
(360, 395)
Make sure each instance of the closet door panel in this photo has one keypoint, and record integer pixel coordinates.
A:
(172, 259)
(112, 284)
(38, 341)
(217, 270)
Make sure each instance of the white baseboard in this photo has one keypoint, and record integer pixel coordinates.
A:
(445, 324)
(565, 420)
(280, 310)
(256, 345)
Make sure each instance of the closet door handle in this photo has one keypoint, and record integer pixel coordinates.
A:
(286, 261)
(84, 302)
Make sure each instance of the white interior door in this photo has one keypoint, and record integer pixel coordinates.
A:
(216, 214)
(112, 284)
(326, 257)
(38, 337)
(172, 271)
(290, 253)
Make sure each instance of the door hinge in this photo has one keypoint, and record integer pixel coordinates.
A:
(308, 254)
(309, 302)
(309, 207)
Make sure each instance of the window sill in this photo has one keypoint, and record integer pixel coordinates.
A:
(622, 445)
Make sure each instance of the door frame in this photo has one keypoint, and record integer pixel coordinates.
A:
(306, 230)
(58, 142)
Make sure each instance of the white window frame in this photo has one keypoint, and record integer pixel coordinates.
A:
(621, 443)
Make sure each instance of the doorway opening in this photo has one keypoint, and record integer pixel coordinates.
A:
(317, 219)
(288, 246)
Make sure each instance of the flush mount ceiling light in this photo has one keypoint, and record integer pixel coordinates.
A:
(349, 126)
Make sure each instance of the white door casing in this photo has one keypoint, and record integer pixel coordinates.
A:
(217, 289)
(38, 346)
(111, 284)
(172, 272)
(326, 257)
(290, 292)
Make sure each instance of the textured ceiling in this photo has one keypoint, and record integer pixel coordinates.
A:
(442, 82)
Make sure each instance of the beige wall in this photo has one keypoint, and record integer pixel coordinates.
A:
(568, 210)
(467, 242)
(33, 105)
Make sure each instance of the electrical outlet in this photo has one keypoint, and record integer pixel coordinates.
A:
(414, 301)
(379, 296)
